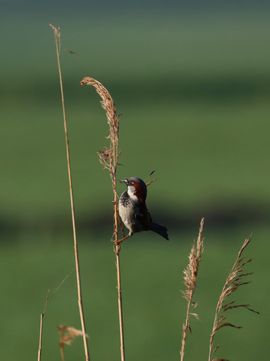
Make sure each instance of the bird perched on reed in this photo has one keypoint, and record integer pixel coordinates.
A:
(133, 211)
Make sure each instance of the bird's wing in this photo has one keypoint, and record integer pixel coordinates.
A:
(143, 216)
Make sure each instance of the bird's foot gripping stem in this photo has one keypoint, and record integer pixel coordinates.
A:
(119, 241)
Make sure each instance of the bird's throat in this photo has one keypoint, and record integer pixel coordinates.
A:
(132, 194)
(136, 195)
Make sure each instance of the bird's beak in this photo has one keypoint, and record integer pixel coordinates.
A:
(124, 181)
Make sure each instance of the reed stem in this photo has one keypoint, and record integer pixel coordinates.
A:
(57, 35)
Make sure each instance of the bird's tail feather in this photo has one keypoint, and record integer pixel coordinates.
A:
(161, 230)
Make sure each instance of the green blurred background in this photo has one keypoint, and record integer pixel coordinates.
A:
(192, 84)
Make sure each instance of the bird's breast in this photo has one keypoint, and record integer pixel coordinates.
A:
(126, 208)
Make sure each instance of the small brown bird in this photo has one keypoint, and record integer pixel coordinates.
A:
(133, 211)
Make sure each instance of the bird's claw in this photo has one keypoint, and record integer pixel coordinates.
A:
(118, 242)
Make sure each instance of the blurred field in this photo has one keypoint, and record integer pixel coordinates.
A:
(194, 93)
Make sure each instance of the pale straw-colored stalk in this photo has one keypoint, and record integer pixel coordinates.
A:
(41, 320)
(190, 281)
(57, 38)
(109, 157)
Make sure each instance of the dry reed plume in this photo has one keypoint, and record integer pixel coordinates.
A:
(236, 278)
(109, 159)
(190, 281)
(57, 38)
(67, 334)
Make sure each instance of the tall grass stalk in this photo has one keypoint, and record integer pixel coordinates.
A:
(109, 159)
(57, 38)
(40, 336)
(41, 319)
(190, 281)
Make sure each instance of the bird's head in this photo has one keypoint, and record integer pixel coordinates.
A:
(136, 188)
